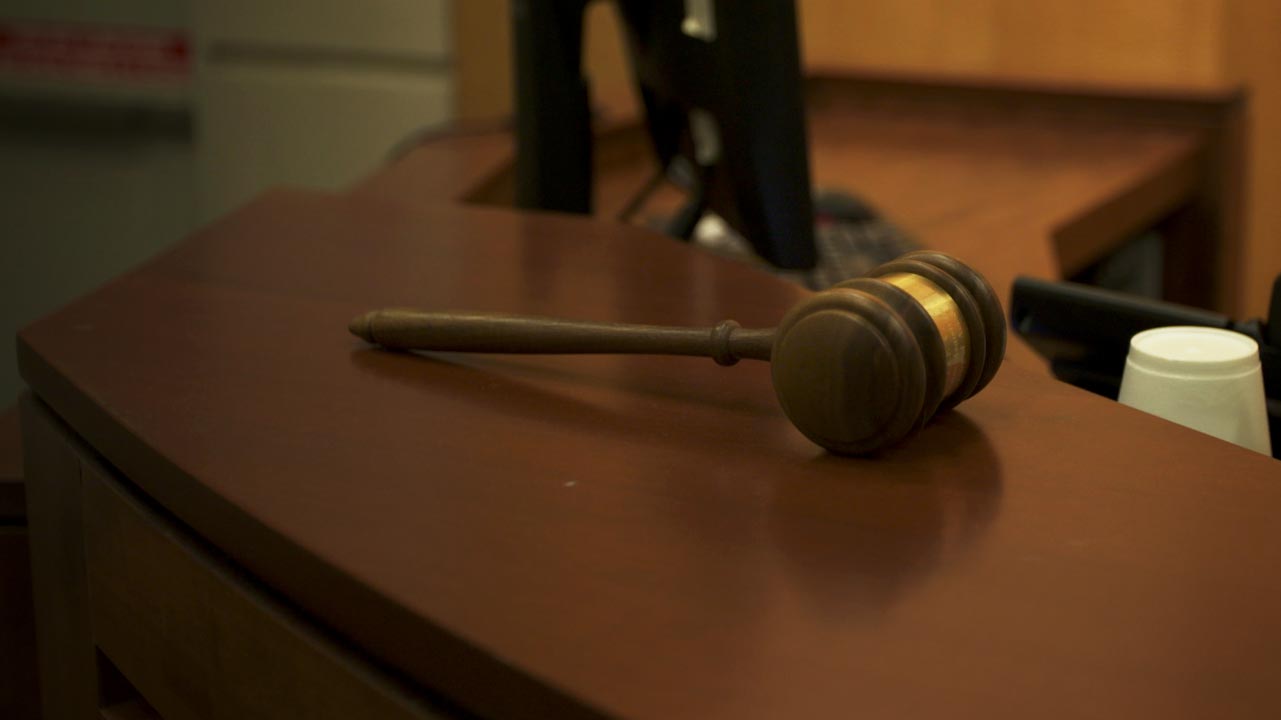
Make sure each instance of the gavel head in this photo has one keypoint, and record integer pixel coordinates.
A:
(866, 363)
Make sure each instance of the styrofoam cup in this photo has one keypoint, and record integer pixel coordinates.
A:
(1207, 379)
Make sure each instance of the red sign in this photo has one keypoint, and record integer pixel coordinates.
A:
(98, 51)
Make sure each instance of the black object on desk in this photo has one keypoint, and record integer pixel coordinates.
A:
(1085, 333)
(721, 86)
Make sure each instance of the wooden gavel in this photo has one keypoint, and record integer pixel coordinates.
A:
(856, 367)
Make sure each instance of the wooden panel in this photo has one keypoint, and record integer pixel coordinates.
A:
(483, 69)
(198, 641)
(1253, 57)
(68, 664)
(606, 63)
(482, 64)
(1129, 42)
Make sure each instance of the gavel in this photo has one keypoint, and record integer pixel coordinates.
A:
(856, 368)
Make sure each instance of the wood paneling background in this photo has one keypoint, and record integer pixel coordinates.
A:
(1252, 57)
(484, 63)
(1166, 44)
(1160, 42)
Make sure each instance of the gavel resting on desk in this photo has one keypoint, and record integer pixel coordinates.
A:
(856, 367)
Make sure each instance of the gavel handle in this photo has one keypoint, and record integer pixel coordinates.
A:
(726, 343)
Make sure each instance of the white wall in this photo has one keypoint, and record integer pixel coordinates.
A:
(312, 94)
(97, 174)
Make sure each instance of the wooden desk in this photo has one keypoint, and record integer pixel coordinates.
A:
(239, 510)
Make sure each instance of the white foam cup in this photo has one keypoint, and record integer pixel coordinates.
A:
(1207, 379)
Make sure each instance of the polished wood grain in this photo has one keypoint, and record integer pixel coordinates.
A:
(1084, 167)
(651, 537)
(1153, 42)
(196, 639)
(1186, 46)
(994, 188)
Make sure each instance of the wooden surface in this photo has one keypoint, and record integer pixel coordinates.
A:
(1152, 42)
(999, 189)
(1182, 46)
(1252, 57)
(194, 637)
(649, 536)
